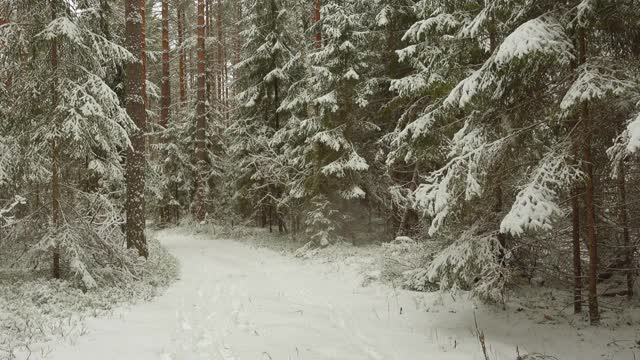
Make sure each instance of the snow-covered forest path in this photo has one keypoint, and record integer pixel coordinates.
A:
(238, 302)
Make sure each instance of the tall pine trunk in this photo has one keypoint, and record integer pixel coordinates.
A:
(237, 38)
(211, 79)
(56, 209)
(182, 67)
(590, 211)
(223, 44)
(577, 260)
(592, 240)
(201, 121)
(220, 56)
(166, 75)
(624, 223)
(143, 50)
(135, 104)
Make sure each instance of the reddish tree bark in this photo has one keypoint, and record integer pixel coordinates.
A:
(135, 104)
(221, 66)
(166, 69)
(237, 46)
(201, 120)
(143, 50)
(182, 58)
(210, 71)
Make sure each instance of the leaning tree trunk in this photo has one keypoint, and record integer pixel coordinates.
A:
(56, 209)
(135, 104)
(201, 121)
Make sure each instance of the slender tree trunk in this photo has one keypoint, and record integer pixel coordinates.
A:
(574, 132)
(166, 67)
(237, 38)
(223, 62)
(210, 71)
(624, 223)
(590, 212)
(220, 58)
(594, 312)
(316, 21)
(135, 104)
(182, 58)
(577, 261)
(143, 50)
(56, 209)
(201, 121)
(413, 185)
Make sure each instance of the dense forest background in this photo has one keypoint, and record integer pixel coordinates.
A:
(500, 133)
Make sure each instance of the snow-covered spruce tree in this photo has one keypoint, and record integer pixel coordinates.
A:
(441, 50)
(518, 111)
(325, 139)
(603, 75)
(70, 130)
(270, 37)
(498, 106)
(385, 21)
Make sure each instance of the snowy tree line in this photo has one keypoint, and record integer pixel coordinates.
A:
(501, 132)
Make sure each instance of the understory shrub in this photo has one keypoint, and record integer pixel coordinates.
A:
(35, 310)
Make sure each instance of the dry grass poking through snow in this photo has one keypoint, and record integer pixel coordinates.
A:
(35, 310)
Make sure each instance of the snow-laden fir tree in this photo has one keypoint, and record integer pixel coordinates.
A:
(325, 138)
(270, 38)
(497, 107)
(70, 131)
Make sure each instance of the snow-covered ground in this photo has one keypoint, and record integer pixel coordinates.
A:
(238, 302)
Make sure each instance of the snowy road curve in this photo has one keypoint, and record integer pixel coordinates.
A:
(235, 302)
(238, 302)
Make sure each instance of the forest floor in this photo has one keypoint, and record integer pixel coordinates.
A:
(242, 302)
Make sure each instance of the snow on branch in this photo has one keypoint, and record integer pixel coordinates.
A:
(594, 83)
(92, 111)
(62, 27)
(542, 36)
(536, 204)
(440, 23)
(633, 130)
(5, 218)
(473, 262)
(340, 167)
(461, 177)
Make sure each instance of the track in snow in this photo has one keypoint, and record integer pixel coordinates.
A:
(235, 302)
(238, 302)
